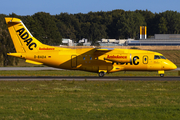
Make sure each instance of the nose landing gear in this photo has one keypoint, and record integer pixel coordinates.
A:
(161, 73)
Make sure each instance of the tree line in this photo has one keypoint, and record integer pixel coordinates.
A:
(116, 24)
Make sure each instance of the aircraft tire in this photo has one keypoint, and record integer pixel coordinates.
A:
(101, 74)
(161, 75)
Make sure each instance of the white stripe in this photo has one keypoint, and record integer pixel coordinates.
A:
(27, 29)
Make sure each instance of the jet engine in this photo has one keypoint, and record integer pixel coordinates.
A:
(121, 58)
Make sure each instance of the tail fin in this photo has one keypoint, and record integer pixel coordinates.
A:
(21, 37)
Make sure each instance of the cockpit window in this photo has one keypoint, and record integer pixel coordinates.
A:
(156, 57)
(159, 57)
(162, 57)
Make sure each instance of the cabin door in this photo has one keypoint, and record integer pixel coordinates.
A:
(73, 61)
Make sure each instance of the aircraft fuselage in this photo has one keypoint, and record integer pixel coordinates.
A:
(88, 59)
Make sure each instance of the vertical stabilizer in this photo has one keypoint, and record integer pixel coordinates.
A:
(21, 37)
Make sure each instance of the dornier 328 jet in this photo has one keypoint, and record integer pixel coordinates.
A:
(101, 61)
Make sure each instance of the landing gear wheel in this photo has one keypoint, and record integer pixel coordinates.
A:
(161, 75)
(101, 74)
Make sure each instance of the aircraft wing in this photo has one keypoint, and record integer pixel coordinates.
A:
(102, 51)
(105, 49)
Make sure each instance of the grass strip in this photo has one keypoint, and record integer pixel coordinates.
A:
(81, 73)
(74, 100)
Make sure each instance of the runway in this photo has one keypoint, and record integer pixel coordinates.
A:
(24, 78)
(38, 68)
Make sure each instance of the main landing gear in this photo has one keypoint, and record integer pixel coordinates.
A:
(101, 74)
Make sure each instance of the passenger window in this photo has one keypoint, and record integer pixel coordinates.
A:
(156, 57)
(90, 58)
(83, 58)
(162, 57)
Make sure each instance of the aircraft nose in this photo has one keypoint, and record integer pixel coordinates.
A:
(174, 66)
(168, 65)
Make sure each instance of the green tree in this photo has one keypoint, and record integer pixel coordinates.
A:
(44, 28)
(150, 21)
(162, 25)
(85, 30)
(68, 26)
(6, 45)
(173, 21)
(128, 24)
(112, 28)
(97, 32)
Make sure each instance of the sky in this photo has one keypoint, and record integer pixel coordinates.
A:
(30, 7)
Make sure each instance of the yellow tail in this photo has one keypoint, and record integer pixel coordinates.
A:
(22, 38)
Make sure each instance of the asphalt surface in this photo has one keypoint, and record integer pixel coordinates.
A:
(37, 68)
(22, 78)
(75, 78)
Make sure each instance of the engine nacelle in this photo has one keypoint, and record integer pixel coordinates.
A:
(121, 58)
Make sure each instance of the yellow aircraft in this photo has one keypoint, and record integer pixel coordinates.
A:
(101, 61)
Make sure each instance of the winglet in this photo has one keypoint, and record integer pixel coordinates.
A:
(13, 20)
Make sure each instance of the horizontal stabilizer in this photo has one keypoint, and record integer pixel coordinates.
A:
(33, 62)
(15, 54)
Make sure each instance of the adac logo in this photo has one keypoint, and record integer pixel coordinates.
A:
(25, 37)
(117, 56)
